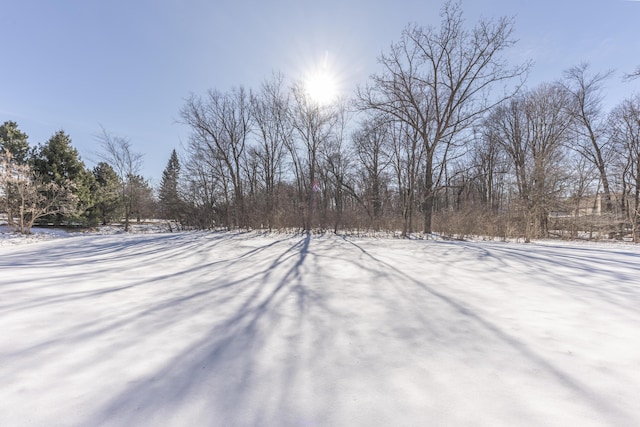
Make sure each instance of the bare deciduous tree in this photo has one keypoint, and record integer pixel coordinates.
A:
(313, 124)
(118, 152)
(489, 164)
(408, 154)
(28, 197)
(337, 166)
(203, 188)
(438, 81)
(372, 146)
(625, 125)
(589, 121)
(221, 124)
(533, 129)
(270, 109)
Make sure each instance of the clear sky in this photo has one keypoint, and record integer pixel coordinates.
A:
(128, 65)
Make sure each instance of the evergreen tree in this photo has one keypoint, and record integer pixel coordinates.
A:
(58, 162)
(14, 141)
(143, 202)
(169, 199)
(106, 193)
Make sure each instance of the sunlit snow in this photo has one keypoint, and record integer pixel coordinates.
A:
(250, 329)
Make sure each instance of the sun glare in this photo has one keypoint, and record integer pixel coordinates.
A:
(322, 84)
(322, 87)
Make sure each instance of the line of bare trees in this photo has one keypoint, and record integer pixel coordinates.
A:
(444, 138)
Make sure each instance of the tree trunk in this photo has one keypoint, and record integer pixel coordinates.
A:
(428, 197)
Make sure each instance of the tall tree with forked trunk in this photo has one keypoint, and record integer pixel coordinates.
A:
(440, 81)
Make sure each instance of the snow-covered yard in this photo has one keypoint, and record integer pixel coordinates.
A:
(242, 329)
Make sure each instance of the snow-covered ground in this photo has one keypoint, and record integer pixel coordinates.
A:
(243, 329)
(9, 238)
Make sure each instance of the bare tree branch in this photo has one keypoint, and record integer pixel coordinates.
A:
(118, 152)
(632, 76)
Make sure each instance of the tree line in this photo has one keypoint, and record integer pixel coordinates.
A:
(445, 137)
(50, 184)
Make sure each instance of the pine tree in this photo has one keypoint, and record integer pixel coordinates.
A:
(106, 193)
(14, 141)
(143, 201)
(58, 162)
(169, 198)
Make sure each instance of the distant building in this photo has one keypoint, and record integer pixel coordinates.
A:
(592, 205)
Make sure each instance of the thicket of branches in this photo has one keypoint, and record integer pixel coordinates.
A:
(444, 138)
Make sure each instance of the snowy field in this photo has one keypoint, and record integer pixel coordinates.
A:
(233, 329)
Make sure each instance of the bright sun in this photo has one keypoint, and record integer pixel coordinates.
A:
(322, 85)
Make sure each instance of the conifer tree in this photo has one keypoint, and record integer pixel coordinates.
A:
(143, 201)
(14, 141)
(168, 195)
(57, 161)
(106, 193)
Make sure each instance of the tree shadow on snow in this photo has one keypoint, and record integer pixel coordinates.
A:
(580, 389)
(217, 371)
(235, 327)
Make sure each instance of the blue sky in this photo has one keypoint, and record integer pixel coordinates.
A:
(77, 65)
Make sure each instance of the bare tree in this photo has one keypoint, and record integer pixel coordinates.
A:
(625, 125)
(438, 81)
(337, 163)
(118, 152)
(408, 154)
(202, 190)
(580, 182)
(490, 165)
(589, 120)
(533, 129)
(313, 124)
(270, 109)
(221, 124)
(372, 146)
